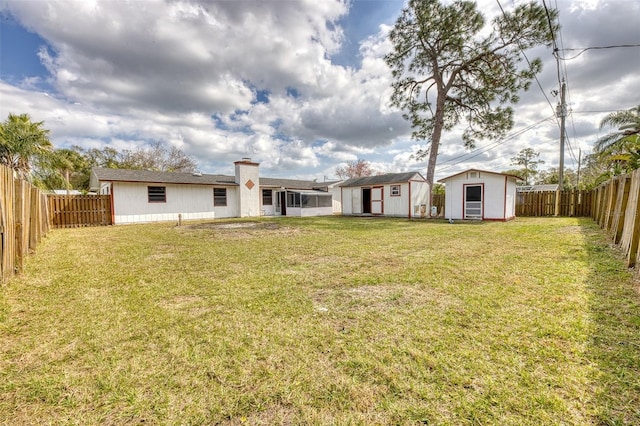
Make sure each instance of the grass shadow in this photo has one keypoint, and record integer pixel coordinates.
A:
(614, 341)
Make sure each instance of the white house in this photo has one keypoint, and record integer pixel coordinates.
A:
(148, 196)
(479, 194)
(391, 194)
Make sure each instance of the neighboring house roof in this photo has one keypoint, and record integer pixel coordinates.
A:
(66, 192)
(538, 188)
(383, 179)
(126, 175)
(481, 171)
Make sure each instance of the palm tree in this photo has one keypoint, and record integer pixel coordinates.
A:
(22, 143)
(620, 150)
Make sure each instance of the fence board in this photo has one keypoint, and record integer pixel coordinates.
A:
(572, 203)
(630, 235)
(619, 211)
(73, 211)
(23, 222)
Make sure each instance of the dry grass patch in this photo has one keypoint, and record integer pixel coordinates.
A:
(379, 298)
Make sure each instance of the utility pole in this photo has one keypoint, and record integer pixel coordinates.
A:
(561, 112)
(579, 163)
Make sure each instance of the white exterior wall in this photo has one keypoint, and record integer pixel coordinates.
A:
(494, 197)
(250, 194)
(309, 211)
(268, 210)
(419, 199)
(496, 203)
(336, 199)
(510, 210)
(131, 205)
(396, 205)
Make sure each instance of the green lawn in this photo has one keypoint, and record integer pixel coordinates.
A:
(323, 321)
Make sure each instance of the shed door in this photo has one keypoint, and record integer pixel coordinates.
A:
(473, 202)
(377, 206)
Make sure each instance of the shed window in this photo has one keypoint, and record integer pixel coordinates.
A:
(219, 197)
(157, 194)
(267, 197)
(395, 190)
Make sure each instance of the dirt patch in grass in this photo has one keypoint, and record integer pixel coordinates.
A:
(240, 230)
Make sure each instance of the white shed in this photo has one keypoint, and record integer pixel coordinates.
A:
(481, 195)
(391, 194)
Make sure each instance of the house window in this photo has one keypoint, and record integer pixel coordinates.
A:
(395, 190)
(219, 197)
(157, 194)
(267, 197)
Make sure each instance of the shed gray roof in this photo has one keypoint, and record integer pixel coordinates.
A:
(126, 175)
(383, 179)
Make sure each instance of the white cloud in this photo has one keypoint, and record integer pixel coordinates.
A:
(191, 74)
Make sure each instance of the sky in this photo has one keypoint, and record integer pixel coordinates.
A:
(299, 86)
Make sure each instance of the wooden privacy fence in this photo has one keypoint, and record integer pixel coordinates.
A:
(73, 211)
(617, 211)
(23, 221)
(572, 203)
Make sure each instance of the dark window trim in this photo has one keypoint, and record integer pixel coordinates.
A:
(219, 196)
(156, 194)
(270, 197)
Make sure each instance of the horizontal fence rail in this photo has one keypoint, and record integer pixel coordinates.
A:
(74, 211)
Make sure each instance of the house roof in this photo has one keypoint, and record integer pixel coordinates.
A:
(481, 171)
(311, 192)
(126, 175)
(383, 179)
(293, 184)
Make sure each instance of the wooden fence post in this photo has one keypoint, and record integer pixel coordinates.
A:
(630, 238)
(622, 196)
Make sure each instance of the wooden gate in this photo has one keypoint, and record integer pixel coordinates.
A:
(73, 211)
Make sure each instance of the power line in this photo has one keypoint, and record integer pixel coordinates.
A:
(601, 111)
(492, 145)
(584, 49)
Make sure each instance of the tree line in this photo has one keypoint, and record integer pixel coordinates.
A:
(25, 147)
